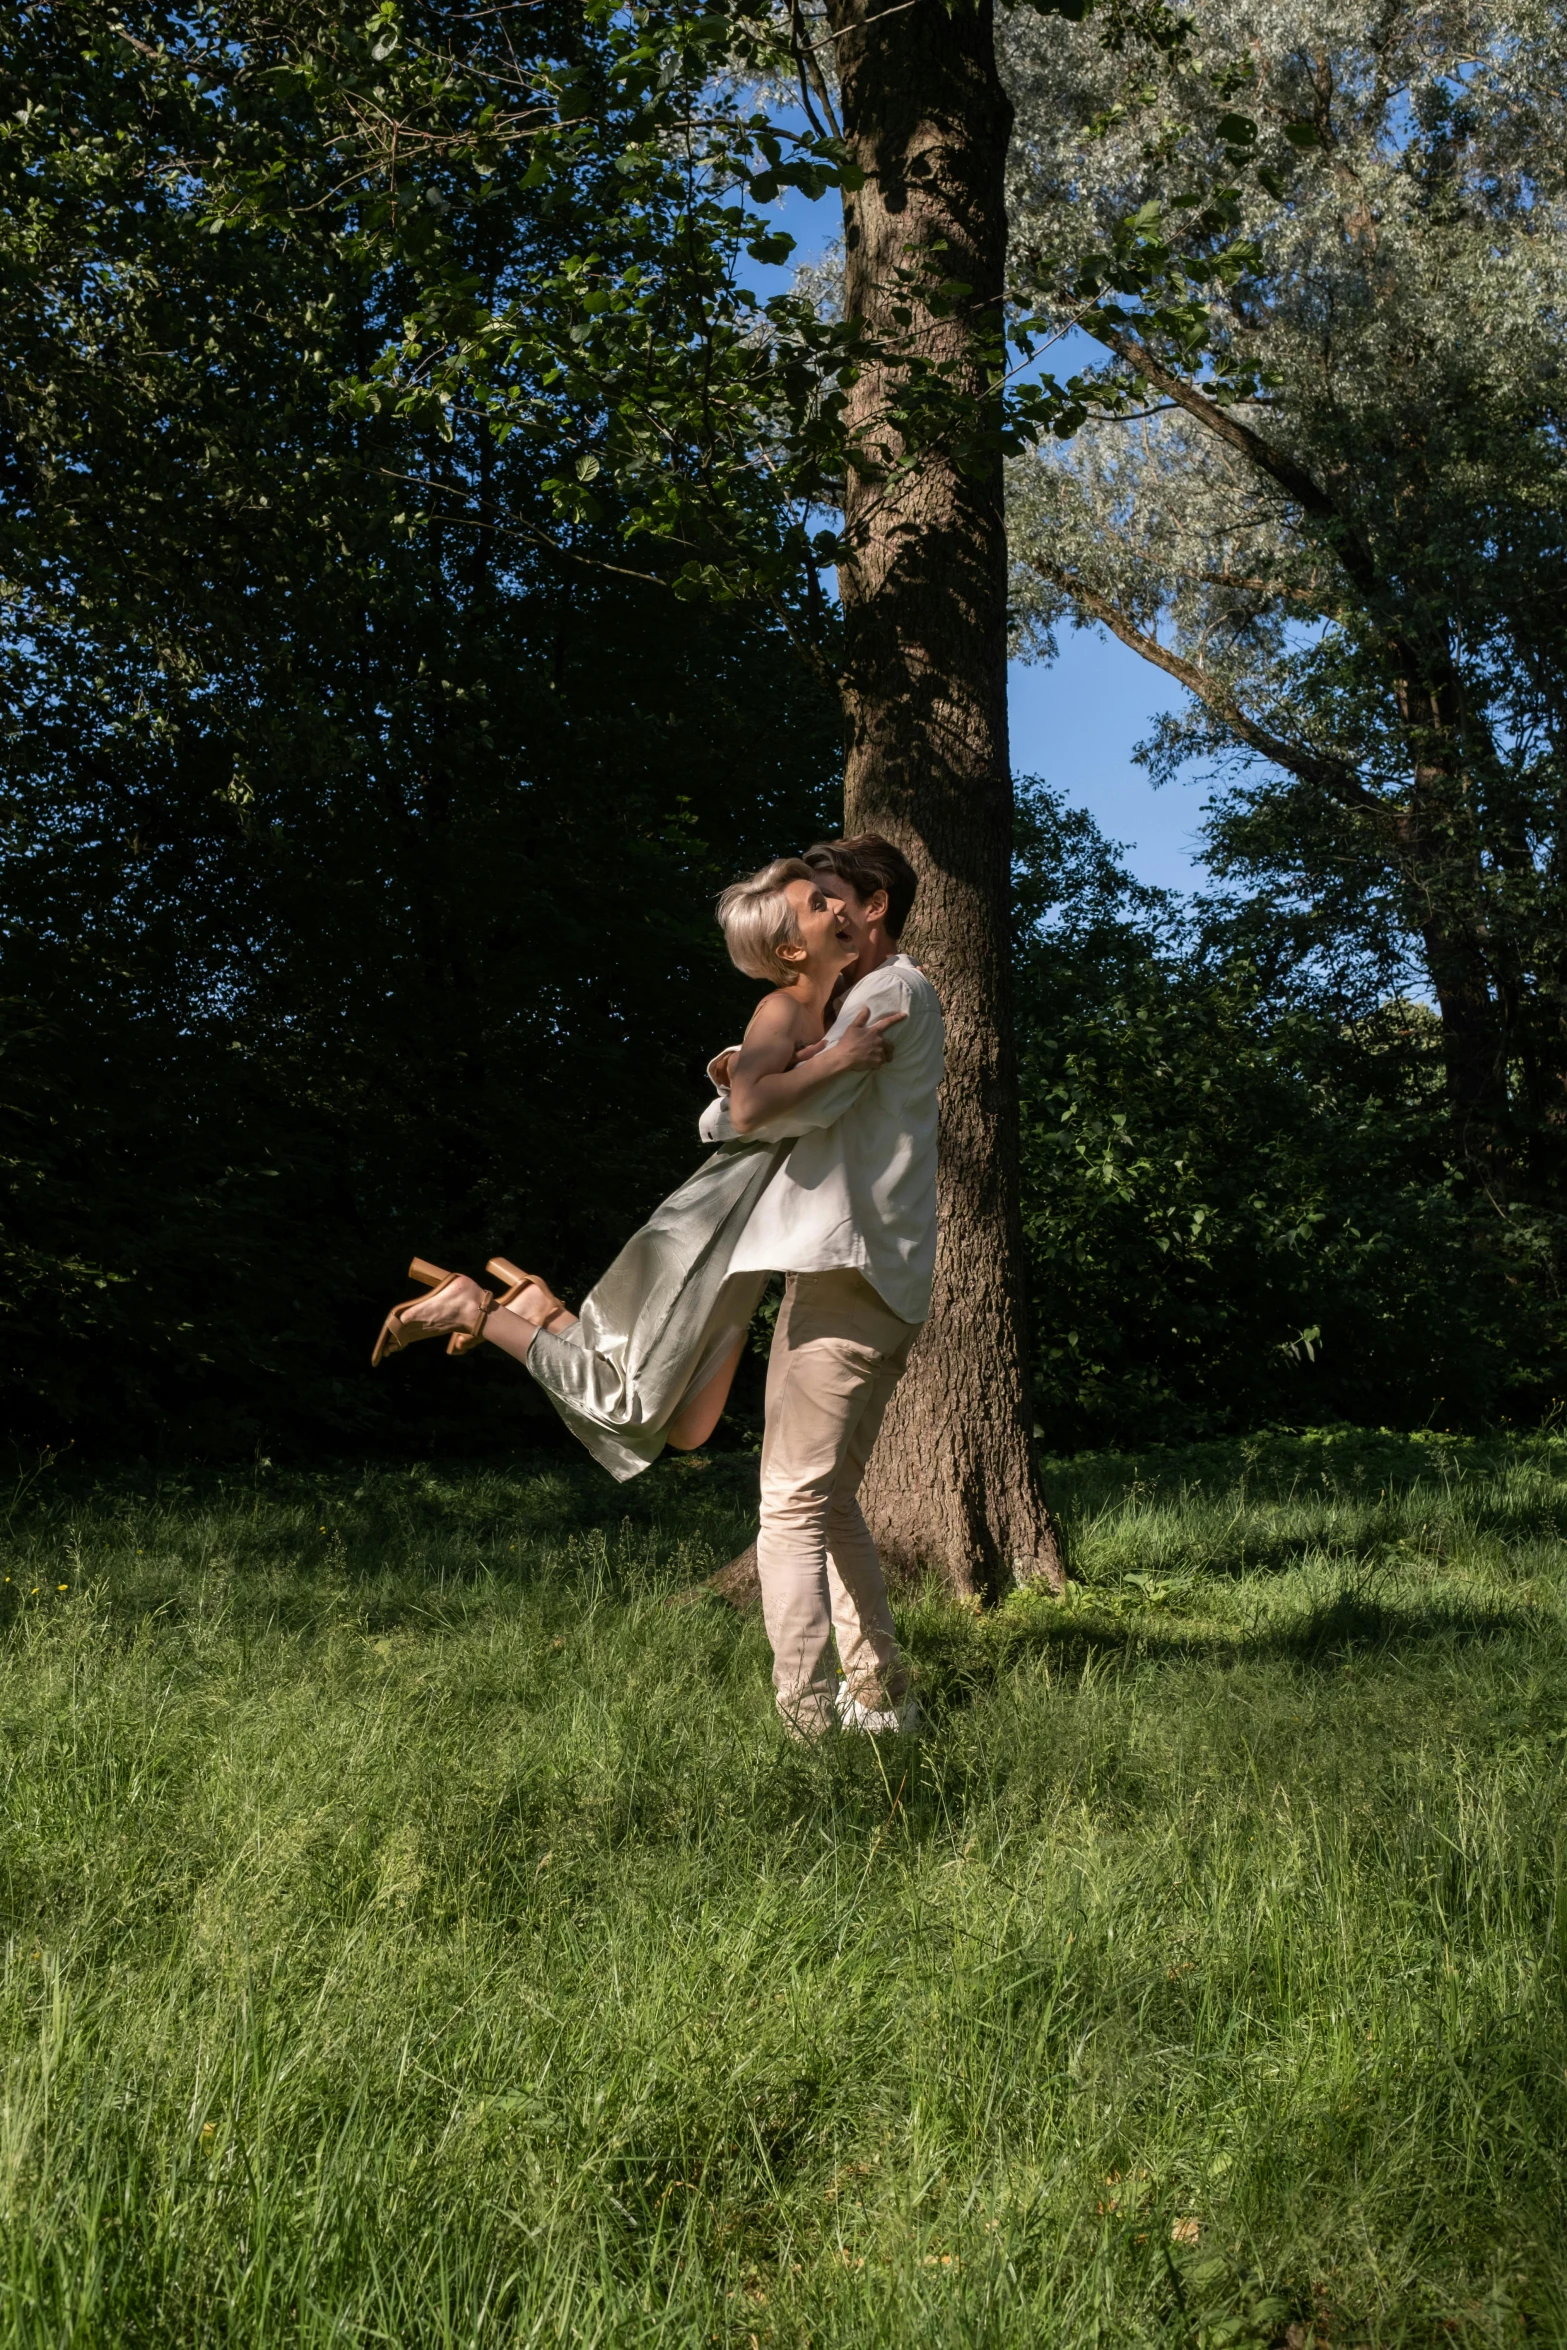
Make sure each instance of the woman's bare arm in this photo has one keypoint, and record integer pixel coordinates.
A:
(762, 1086)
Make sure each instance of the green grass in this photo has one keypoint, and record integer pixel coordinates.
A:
(421, 1933)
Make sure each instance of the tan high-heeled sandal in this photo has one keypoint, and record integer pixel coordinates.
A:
(396, 1334)
(505, 1270)
(517, 1281)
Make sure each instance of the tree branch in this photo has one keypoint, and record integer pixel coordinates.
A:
(1293, 479)
(1258, 587)
(813, 82)
(1327, 774)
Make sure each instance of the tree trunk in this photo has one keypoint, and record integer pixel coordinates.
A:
(1474, 1050)
(1441, 851)
(952, 1482)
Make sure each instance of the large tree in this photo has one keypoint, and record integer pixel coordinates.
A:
(764, 444)
(738, 450)
(1322, 482)
(923, 585)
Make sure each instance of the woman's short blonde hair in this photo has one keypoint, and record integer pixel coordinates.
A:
(757, 918)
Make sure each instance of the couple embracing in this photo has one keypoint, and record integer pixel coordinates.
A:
(825, 1171)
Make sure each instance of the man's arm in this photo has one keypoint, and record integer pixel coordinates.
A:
(715, 1123)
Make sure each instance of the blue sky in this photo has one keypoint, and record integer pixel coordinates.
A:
(1076, 722)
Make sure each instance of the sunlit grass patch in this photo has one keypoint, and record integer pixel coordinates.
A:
(420, 1931)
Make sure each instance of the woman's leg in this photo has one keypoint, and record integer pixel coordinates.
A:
(513, 1330)
(456, 1307)
(534, 1309)
(700, 1414)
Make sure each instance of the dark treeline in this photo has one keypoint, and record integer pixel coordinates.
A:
(1245, 1204)
(359, 852)
(359, 863)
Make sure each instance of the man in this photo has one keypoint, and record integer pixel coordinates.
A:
(850, 1220)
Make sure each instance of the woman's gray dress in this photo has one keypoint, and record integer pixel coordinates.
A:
(664, 1316)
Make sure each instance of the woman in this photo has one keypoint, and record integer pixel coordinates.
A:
(650, 1358)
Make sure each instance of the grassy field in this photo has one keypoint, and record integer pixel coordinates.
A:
(420, 1932)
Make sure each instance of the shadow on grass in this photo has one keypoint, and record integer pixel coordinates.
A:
(420, 1545)
(1384, 1541)
(772, 1797)
(963, 1664)
(389, 1546)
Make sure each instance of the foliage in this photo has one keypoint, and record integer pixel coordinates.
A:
(211, 1194)
(1324, 490)
(364, 792)
(711, 426)
(315, 951)
(1240, 1201)
(417, 1929)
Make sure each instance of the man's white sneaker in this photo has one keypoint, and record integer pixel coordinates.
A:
(877, 1721)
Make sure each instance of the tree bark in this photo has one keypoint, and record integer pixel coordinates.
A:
(952, 1482)
(1473, 1050)
(1444, 871)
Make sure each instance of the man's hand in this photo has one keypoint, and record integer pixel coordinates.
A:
(863, 1043)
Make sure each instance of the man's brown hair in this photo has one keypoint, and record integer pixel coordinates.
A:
(869, 863)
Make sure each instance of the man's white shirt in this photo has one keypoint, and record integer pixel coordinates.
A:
(859, 1186)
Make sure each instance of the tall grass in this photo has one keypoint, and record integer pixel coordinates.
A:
(420, 1931)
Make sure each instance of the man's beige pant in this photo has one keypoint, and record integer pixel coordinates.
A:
(838, 1352)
